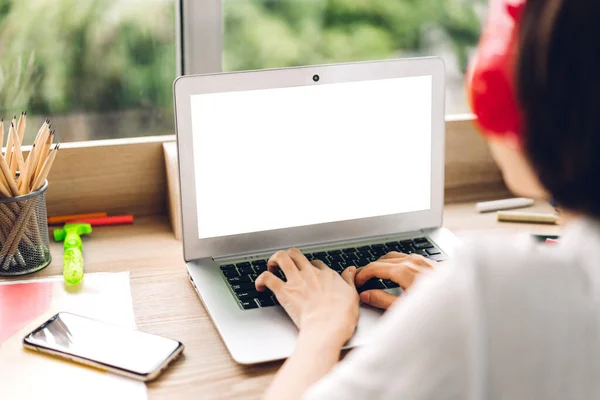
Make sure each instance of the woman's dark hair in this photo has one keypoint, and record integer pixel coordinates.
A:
(558, 86)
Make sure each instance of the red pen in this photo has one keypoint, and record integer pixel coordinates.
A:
(104, 221)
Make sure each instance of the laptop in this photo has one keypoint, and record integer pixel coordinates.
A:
(345, 162)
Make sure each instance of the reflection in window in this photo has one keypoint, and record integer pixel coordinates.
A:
(99, 68)
(282, 33)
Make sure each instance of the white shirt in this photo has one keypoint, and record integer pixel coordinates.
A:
(507, 319)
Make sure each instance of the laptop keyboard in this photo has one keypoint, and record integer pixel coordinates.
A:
(241, 275)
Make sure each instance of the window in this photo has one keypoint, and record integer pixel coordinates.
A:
(99, 68)
(255, 34)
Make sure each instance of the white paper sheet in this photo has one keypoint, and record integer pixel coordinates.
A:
(24, 305)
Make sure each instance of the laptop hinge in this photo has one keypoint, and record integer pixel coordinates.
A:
(324, 245)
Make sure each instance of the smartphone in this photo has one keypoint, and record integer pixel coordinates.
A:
(127, 352)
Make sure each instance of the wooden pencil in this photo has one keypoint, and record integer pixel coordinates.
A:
(8, 177)
(41, 177)
(24, 177)
(42, 149)
(21, 126)
(8, 154)
(44, 152)
(42, 132)
(18, 153)
(12, 133)
(1, 135)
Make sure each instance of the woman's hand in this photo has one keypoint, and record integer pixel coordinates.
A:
(314, 296)
(398, 267)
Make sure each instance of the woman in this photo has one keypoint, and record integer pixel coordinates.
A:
(510, 320)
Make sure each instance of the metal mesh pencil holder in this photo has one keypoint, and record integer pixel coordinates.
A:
(24, 241)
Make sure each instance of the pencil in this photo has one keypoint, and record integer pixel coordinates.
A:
(23, 182)
(8, 177)
(21, 126)
(18, 154)
(1, 135)
(516, 216)
(8, 154)
(41, 177)
(12, 133)
(61, 219)
(43, 154)
(41, 131)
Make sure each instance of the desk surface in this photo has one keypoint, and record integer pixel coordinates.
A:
(166, 304)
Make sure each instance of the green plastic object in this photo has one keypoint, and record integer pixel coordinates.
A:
(73, 257)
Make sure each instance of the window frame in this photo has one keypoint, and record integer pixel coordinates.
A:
(203, 20)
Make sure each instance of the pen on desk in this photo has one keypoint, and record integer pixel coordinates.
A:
(506, 204)
(105, 221)
(518, 216)
(61, 219)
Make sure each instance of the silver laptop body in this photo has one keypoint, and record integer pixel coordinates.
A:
(221, 118)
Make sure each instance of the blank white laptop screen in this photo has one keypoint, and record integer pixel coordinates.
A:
(281, 158)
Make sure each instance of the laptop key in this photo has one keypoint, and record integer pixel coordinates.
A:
(389, 249)
(406, 242)
(259, 262)
(242, 264)
(230, 273)
(362, 262)
(243, 287)
(422, 245)
(246, 270)
(433, 252)
(253, 277)
(228, 266)
(349, 250)
(247, 295)
(248, 305)
(420, 240)
(238, 279)
(378, 253)
(336, 258)
(264, 293)
(337, 267)
(266, 302)
(390, 284)
(349, 263)
(371, 284)
(260, 268)
(281, 275)
(422, 253)
(364, 248)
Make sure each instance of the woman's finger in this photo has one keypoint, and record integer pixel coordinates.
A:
(267, 280)
(405, 275)
(348, 275)
(377, 269)
(282, 260)
(378, 298)
(394, 255)
(299, 259)
(419, 261)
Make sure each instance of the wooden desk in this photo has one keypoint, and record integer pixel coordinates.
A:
(166, 304)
